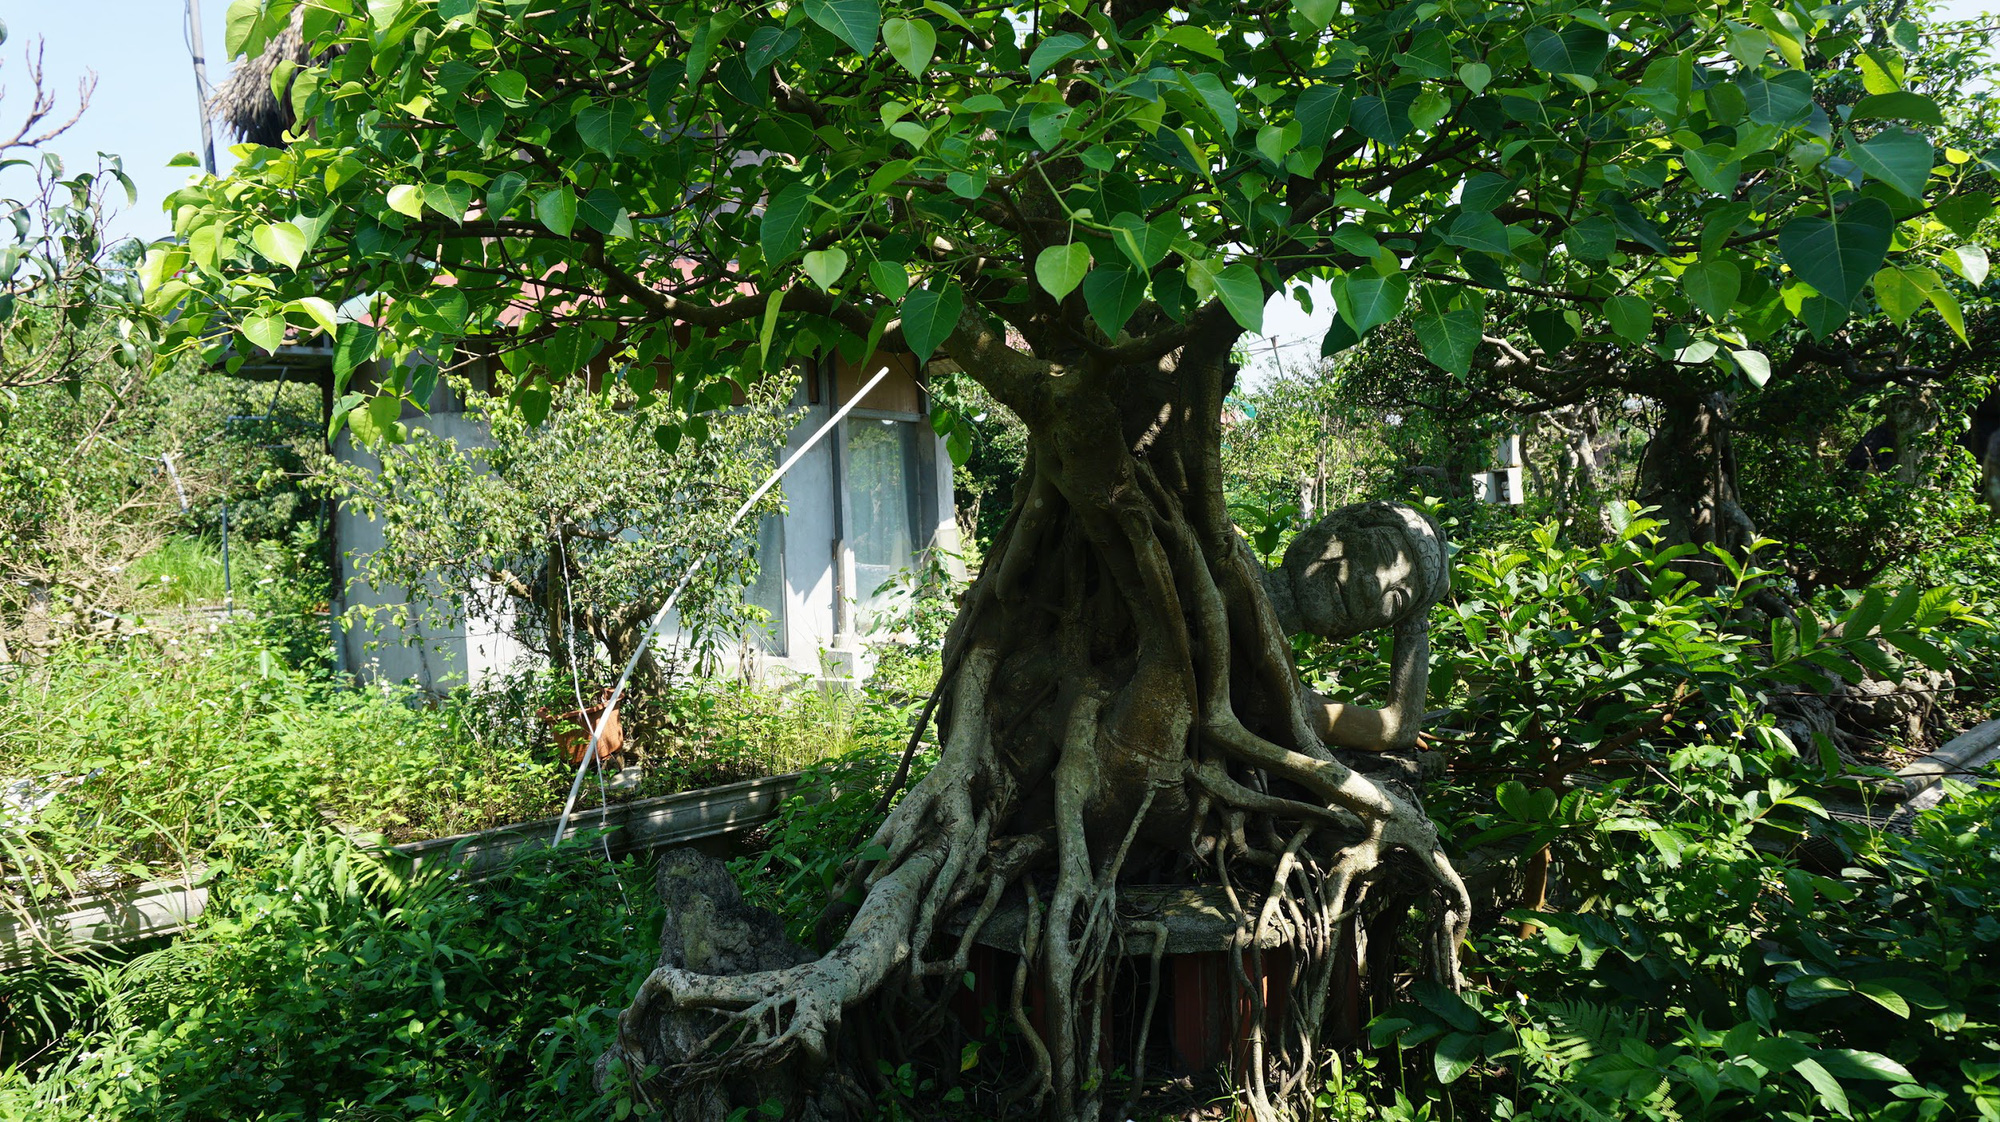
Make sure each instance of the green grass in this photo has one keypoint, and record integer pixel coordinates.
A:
(184, 572)
(179, 747)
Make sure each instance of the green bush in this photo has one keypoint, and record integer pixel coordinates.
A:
(1691, 961)
(160, 753)
(320, 984)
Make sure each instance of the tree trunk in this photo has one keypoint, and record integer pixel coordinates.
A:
(1118, 707)
(1688, 472)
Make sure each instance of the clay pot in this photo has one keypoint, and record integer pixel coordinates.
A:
(572, 732)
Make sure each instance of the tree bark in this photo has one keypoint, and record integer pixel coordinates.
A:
(1688, 472)
(1119, 707)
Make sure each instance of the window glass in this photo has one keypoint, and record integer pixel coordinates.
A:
(768, 590)
(881, 510)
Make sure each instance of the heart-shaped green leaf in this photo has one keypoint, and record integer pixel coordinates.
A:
(1755, 366)
(1367, 300)
(826, 266)
(480, 120)
(1968, 261)
(1574, 50)
(890, 277)
(854, 22)
(266, 329)
(1898, 105)
(1113, 293)
(281, 243)
(603, 125)
(510, 86)
(1783, 99)
(1060, 268)
(1217, 97)
(1713, 286)
(441, 310)
(1480, 230)
(929, 315)
(603, 212)
(1145, 245)
(1898, 157)
(1964, 213)
(912, 42)
(1838, 255)
(1631, 317)
(1714, 167)
(1897, 294)
(1243, 294)
(407, 198)
(501, 193)
(1052, 50)
(557, 210)
(1319, 13)
(1322, 112)
(1449, 338)
(321, 311)
(783, 232)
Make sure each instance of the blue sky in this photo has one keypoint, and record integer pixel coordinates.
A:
(145, 107)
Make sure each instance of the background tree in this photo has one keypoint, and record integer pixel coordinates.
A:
(1084, 208)
(1695, 336)
(69, 298)
(1301, 436)
(580, 525)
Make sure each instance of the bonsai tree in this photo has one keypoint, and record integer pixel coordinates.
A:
(1085, 207)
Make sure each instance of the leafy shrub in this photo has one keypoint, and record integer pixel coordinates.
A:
(320, 984)
(808, 847)
(1693, 955)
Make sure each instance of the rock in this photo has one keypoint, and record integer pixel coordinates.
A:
(1901, 710)
(709, 929)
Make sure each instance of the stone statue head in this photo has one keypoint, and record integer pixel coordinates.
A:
(1359, 568)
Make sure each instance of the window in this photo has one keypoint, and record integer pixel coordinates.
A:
(881, 483)
(768, 590)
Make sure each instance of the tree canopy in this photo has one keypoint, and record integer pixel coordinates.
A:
(1030, 188)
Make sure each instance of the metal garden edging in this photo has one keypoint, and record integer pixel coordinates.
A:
(169, 907)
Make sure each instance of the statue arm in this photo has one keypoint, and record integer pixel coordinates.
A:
(1396, 725)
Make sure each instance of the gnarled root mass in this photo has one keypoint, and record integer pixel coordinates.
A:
(1120, 709)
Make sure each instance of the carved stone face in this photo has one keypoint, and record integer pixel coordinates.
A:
(1365, 567)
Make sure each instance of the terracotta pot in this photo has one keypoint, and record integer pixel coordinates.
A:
(572, 731)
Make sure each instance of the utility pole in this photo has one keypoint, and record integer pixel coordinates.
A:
(201, 89)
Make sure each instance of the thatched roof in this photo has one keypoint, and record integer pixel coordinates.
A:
(244, 101)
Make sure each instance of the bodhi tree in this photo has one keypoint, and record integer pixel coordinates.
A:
(1085, 207)
(1695, 336)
